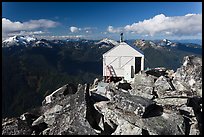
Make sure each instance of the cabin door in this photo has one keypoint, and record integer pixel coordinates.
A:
(137, 64)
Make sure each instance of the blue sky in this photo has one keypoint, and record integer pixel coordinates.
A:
(97, 20)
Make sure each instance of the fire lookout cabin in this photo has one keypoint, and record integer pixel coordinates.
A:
(122, 61)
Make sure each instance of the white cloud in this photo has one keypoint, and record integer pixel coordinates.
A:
(9, 26)
(74, 29)
(190, 14)
(62, 37)
(42, 23)
(83, 30)
(26, 33)
(188, 25)
(113, 30)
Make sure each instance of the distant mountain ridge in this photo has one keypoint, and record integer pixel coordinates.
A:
(168, 45)
(106, 42)
(34, 42)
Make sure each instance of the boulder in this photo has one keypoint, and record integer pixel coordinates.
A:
(189, 76)
(68, 116)
(143, 86)
(51, 114)
(171, 101)
(15, 126)
(29, 117)
(143, 79)
(162, 84)
(59, 93)
(135, 115)
(166, 124)
(38, 121)
(126, 128)
(196, 104)
(130, 103)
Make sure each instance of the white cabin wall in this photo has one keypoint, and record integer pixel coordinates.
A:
(129, 59)
(119, 72)
(114, 62)
(118, 64)
(123, 53)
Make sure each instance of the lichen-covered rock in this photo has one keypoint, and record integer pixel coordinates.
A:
(127, 119)
(130, 103)
(189, 76)
(162, 84)
(126, 128)
(68, 116)
(143, 79)
(166, 124)
(143, 86)
(171, 101)
(51, 114)
(38, 120)
(62, 91)
(15, 126)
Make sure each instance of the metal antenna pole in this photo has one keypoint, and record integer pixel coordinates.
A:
(121, 37)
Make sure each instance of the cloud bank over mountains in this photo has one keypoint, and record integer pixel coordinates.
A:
(29, 27)
(188, 25)
(32, 27)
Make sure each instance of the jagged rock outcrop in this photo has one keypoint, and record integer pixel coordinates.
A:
(140, 114)
(163, 84)
(15, 126)
(159, 102)
(66, 114)
(189, 76)
(63, 91)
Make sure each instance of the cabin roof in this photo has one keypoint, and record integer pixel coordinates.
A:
(123, 43)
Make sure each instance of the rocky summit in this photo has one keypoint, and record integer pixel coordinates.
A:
(157, 102)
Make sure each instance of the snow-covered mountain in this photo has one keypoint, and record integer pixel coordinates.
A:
(18, 40)
(27, 41)
(165, 43)
(107, 43)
